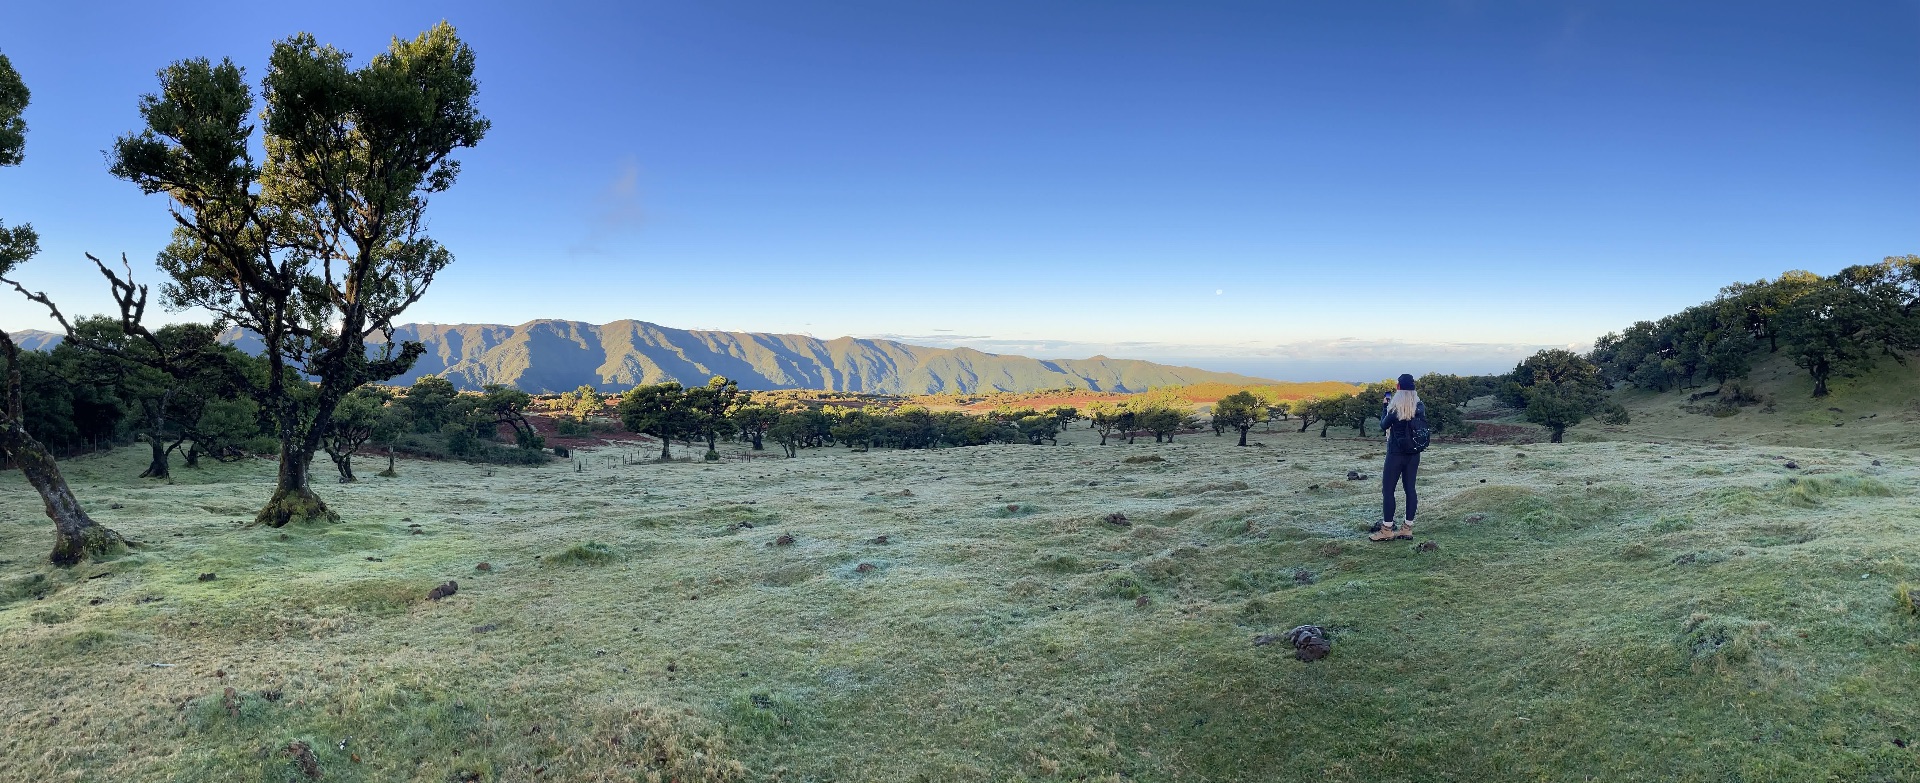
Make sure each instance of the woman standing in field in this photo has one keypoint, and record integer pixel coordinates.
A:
(1405, 423)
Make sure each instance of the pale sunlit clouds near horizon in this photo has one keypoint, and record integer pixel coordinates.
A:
(1289, 188)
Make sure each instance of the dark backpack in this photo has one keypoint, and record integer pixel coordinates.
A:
(1417, 434)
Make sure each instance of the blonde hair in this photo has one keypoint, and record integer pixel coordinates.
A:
(1404, 404)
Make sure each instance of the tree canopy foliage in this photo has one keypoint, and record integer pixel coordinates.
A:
(322, 244)
(1835, 326)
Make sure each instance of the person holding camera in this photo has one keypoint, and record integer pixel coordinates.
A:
(1404, 420)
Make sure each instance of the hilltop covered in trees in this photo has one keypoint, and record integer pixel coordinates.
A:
(1837, 326)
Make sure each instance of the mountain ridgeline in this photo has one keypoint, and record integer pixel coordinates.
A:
(550, 356)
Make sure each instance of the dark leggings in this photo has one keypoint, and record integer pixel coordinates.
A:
(1401, 468)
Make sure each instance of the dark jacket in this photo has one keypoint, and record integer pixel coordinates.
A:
(1397, 439)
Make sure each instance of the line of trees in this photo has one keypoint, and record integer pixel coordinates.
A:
(77, 396)
(671, 413)
(1445, 396)
(1841, 325)
(1836, 326)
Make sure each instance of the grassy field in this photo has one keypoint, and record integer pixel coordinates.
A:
(1878, 410)
(1616, 611)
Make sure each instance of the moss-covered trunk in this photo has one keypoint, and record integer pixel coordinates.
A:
(293, 500)
(75, 535)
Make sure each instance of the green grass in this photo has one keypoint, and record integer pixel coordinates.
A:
(589, 553)
(1613, 610)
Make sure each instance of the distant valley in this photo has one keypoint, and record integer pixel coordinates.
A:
(550, 356)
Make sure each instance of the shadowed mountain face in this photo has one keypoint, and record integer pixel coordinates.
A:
(555, 356)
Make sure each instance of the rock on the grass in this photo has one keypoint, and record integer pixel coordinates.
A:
(443, 591)
(1310, 643)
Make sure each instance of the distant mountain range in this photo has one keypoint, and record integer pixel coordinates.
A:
(553, 356)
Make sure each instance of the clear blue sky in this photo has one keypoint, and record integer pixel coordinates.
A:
(1262, 181)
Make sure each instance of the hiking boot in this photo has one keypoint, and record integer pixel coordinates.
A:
(1404, 531)
(1381, 532)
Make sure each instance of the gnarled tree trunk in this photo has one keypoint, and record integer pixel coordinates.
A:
(344, 462)
(293, 497)
(76, 535)
(157, 467)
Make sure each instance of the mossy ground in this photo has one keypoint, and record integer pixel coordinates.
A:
(1595, 611)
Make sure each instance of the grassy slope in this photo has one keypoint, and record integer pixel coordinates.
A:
(1608, 611)
(1878, 410)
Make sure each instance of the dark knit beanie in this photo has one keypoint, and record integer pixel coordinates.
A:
(1406, 381)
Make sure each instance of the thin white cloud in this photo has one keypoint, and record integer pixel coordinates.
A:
(619, 211)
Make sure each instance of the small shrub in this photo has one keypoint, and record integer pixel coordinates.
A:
(1740, 392)
(460, 440)
(1906, 598)
(1636, 551)
(1124, 586)
(589, 553)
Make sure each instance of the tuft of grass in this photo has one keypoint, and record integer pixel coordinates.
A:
(1811, 491)
(53, 615)
(1721, 644)
(1123, 586)
(1061, 563)
(587, 553)
(1906, 599)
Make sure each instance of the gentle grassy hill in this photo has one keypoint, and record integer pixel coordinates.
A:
(1612, 611)
(1877, 411)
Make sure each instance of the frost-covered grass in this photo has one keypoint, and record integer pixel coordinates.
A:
(1606, 611)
